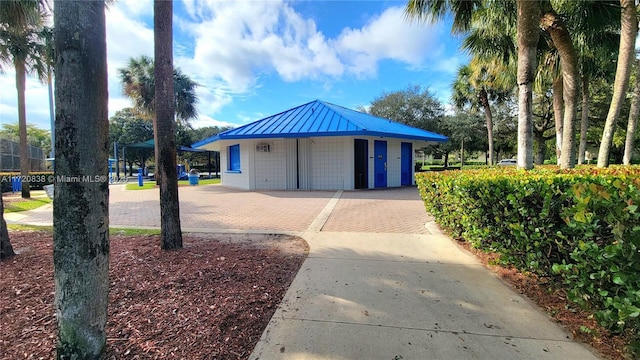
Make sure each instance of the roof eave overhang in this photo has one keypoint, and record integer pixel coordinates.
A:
(433, 139)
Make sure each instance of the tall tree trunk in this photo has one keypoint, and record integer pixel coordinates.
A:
(528, 25)
(25, 163)
(558, 113)
(584, 121)
(555, 26)
(171, 233)
(51, 113)
(81, 204)
(461, 154)
(484, 100)
(539, 140)
(6, 250)
(628, 32)
(633, 118)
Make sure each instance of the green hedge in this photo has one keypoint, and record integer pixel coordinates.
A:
(581, 226)
(5, 180)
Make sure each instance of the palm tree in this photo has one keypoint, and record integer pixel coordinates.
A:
(165, 134)
(477, 85)
(633, 118)
(628, 33)
(81, 209)
(557, 29)
(138, 80)
(594, 25)
(527, 29)
(528, 35)
(22, 45)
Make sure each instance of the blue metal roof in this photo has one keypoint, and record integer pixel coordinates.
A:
(319, 118)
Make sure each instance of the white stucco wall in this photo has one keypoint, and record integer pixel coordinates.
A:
(270, 168)
(232, 179)
(327, 163)
(320, 163)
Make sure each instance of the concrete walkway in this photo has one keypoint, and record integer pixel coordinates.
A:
(377, 283)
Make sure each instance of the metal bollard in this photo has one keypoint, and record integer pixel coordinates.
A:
(140, 181)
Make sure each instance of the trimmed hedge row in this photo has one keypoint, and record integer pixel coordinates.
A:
(5, 180)
(581, 226)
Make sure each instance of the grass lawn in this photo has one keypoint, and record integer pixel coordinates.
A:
(27, 204)
(112, 231)
(152, 185)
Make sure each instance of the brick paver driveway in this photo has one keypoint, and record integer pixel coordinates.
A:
(216, 208)
(398, 210)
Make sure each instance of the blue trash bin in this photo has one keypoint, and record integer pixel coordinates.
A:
(194, 177)
(16, 183)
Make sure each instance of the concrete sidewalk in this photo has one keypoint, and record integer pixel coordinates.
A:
(377, 283)
(392, 295)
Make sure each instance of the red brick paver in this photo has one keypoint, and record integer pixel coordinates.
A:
(379, 211)
(214, 207)
(217, 207)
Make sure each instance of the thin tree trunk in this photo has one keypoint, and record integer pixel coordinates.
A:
(558, 113)
(81, 208)
(170, 230)
(51, 114)
(25, 165)
(6, 250)
(633, 118)
(626, 55)
(528, 22)
(539, 140)
(584, 121)
(484, 100)
(461, 154)
(555, 26)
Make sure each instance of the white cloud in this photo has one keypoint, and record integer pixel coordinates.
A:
(388, 36)
(449, 65)
(235, 42)
(126, 38)
(229, 46)
(206, 120)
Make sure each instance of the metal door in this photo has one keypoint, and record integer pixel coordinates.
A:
(380, 163)
(405, 165)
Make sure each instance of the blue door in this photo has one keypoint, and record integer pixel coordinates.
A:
(405, 164)
(380, 163)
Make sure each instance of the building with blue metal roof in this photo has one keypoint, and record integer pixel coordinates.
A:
(319, 146)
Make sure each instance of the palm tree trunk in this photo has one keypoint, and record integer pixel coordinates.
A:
(584, 121)
(6, 250)
(558, 112)
(633, 119)
(25, 165)
(461, 154)
(170, 230)
(528, 22)
(81, 208)
(538, 138)
(51, 113)
(555, 26)
(484, 100)
(628, 32)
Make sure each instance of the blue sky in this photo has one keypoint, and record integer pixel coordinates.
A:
(257, 58)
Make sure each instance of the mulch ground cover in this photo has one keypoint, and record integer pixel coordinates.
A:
(210, 300)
